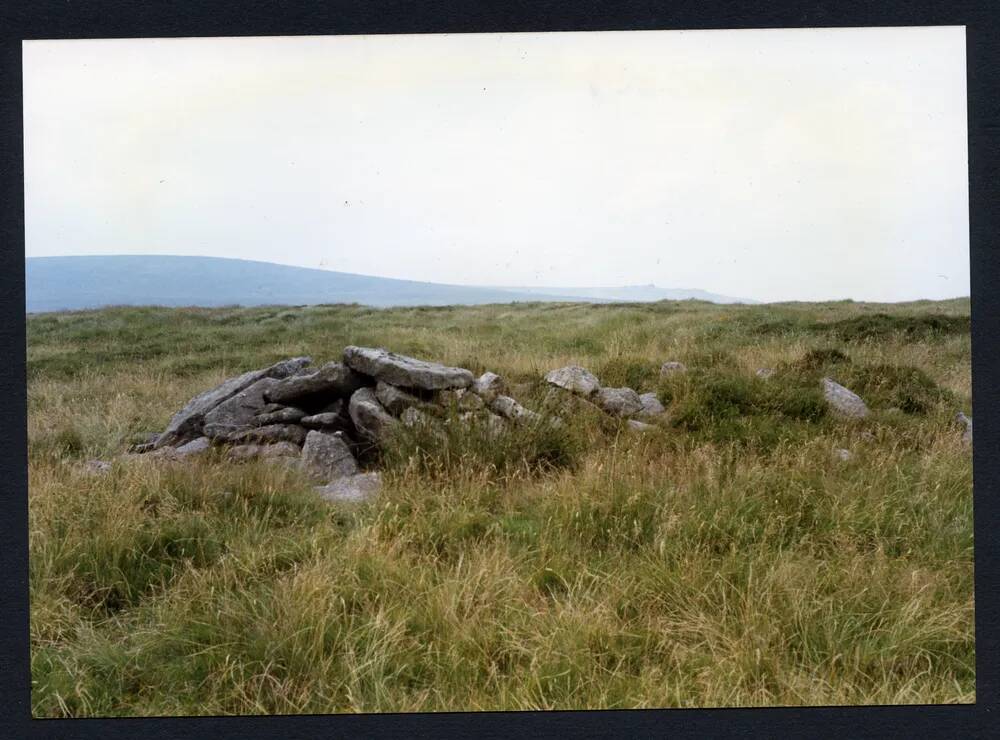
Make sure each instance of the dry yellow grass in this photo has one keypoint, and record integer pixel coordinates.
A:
(728, 560)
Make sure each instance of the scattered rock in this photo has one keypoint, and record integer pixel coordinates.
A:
(328, 456)
(574, 378)
(271, 433)
(488, 386)
(186, 423)
(842, 455)
(395, 400)
(640, 426)
(619, 401)
(333, 378)
(238, 412)
(671, 367)
(351, 488)
(842, 401)
(966, 423)
(765, 372)
(283, 415)
(651, 406)
(404, 371)
(370, 418)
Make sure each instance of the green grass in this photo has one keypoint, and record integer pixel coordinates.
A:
(727, 559)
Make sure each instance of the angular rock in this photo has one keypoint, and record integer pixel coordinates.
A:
(640, 426)
(194, 447)
(842, 401)
(283, 415)
(668, 368)
(271, 433)
(407, 372)
(508, 408)
(651, 406)
(241, 453)
(618, 401)
(966, 423)
(574, 378)
(370, 419)
(395, 400)
(327, 456)
(239, 412)
(351, 488)
(186, 424)
(325, 420)
(488, 386)
(332, 379)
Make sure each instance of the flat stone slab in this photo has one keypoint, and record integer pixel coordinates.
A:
(403, 371)
(186, 423)
(353, 489)
(327, 456)
(242, 453)
(271, 433)
(332, 379)
(574, 378)
(843, 401)
(284, 415)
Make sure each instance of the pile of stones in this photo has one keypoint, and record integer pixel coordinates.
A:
(329, 421)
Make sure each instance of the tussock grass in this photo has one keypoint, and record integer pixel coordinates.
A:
(725, 559)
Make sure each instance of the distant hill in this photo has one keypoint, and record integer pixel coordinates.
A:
(640, 293)
(73, 283)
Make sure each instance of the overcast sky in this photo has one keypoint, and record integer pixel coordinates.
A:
(776, 165)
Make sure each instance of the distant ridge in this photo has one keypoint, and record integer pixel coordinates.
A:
(84, 282)
(648, 292)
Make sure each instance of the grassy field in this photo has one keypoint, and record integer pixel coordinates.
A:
(727, 560)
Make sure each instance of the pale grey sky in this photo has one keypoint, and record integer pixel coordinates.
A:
(772, 164)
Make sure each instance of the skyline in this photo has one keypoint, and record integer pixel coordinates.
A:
(764, 164)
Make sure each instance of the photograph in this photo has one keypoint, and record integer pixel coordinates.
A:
(481, 372)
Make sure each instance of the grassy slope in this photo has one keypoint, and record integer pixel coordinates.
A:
(728, 560)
